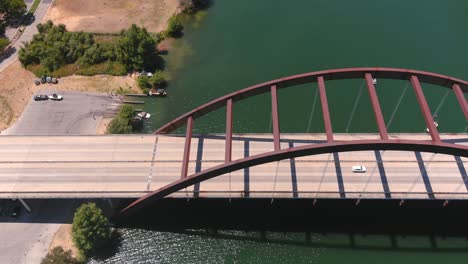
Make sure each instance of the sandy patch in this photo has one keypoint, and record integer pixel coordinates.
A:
(102, 127)
(63, 238)
(112, 15)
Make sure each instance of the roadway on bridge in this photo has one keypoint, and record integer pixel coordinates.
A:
(133, 165)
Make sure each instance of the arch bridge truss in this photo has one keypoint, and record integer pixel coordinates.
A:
(434, 145)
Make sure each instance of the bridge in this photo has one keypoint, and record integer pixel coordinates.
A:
(315, 166)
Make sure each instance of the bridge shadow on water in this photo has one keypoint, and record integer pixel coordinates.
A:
(331, 223)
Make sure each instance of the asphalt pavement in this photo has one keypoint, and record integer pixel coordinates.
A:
(77, 113)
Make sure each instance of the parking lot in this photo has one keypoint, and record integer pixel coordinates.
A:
(77, 113)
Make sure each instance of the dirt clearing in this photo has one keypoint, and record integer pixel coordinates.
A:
(16, 87)
(112, 15)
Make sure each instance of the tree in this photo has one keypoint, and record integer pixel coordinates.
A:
(119, 125)
(3, 44)
(174, 26)
(90, 229)
(144, 83)
(158, 79)
(126, 112)
(59, 256)
(136, 48)
(13, 9)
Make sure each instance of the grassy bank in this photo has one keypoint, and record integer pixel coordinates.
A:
(34, 6)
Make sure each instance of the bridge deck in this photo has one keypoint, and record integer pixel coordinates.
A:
(133, 165)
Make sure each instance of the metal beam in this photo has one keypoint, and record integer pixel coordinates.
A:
(426, 111)
(325, 111)
(461, 99)
(336, 74)
(274, 117)
(300, 151)
(228, 139)
(188, 139)
(376, 106)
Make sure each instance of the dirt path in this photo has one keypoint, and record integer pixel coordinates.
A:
(112, 15)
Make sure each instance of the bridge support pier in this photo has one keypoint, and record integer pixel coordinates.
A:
(26, 206)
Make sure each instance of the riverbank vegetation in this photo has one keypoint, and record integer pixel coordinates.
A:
(58, 52)
(192, 6)
(11, 12)
(145, 83)
(58, 255)
(122, 123)
(90, 229)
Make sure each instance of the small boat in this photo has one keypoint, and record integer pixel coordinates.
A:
(436, 125)
(144, 115)
(158, 92)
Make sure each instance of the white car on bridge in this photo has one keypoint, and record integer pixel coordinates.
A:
(358, 169)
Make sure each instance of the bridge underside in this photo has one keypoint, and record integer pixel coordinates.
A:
(134, 165)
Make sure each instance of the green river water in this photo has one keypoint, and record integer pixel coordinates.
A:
(235, 44)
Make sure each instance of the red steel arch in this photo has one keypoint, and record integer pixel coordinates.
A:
(435, 145)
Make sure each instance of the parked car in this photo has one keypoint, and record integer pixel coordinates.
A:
(41, 97)
(358, 169)
(37, 82)
(55, 97)
(43, 79)
(54, 80)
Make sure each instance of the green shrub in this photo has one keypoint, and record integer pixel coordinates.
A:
(90, 229)
(4, 42)
(174, 26)
(59, 256)
(119, 125)
(108, 67)
(158, 79)
(14, 9)
(126, 112)
(54, 46)
(143, 82)
(136, 49)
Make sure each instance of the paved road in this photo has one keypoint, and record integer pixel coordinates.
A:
(77, 113)
(28, 33)
(30, 236)
(132, 165)
(27, 239)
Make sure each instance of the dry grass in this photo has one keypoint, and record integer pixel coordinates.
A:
(98, 83)
(16, 88)
(63, 238)
(112, 15)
